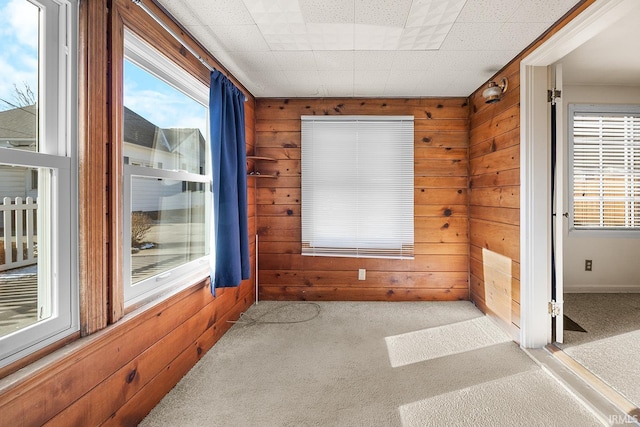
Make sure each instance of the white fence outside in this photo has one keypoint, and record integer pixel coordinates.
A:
(18, 232)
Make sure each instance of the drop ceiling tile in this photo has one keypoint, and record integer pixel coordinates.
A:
(331, 36)
(517, 36)
(376, 37)
(306, 90)
(206, 36)
(433, 84)
(375, 78)
(424, 38)
(337, 78)
(339, 90)
(334, 59)
(488, 62)
(427, 13)
(404, 77)
(268, 11)
(470, 36)
(300, 77)
(415, 59)
(366, 90)
(296, 60)
(488, 10)
(403, 90)
(182, 12)
(239, 38)
(337, 83)
(267, 81)
(382, 12)
(328, 11)
(256, 61)
(219, 12)
(465, 83)
(360, 47)
(547, 11)
(375, 59)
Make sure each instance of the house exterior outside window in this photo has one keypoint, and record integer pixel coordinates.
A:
(167, 179)
(38, 177)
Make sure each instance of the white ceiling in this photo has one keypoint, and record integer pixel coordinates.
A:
(381, 48)
(612, 57)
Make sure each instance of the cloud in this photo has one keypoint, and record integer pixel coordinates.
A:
(21, 18)
(162, 105)
(19, 40)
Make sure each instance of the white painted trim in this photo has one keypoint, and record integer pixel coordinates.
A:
(535, 210)
(599, 16)
(535, 257)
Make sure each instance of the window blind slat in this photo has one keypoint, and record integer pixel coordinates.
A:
(357, 186)
(605, 166)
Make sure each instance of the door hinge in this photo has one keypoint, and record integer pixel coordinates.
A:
(554, 309)
(553, 95)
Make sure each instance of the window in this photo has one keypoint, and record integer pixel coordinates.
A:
(605, 183)
(357, 186)
(38, 190)
(167, 177)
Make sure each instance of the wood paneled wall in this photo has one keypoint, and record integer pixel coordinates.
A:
(440, 269)
(115, 374)
(494, 179)
(494, 188)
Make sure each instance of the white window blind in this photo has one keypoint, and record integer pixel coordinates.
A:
(606, 166)
(357, 186)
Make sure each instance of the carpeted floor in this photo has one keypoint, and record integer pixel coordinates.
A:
(611, 345)
(368, 364)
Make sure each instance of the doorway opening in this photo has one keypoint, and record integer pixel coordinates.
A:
(598, 311)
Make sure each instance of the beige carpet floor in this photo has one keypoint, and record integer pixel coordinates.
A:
(368, 364)
(610, 347)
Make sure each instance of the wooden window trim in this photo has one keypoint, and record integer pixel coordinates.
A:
(126, 14)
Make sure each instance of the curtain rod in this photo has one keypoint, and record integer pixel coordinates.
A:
(175, 36)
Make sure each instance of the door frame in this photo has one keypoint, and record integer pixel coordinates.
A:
(535, 164)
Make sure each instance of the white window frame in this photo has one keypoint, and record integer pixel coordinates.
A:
(595, 109)
(368, 170)
(176, 279)
(57, 127)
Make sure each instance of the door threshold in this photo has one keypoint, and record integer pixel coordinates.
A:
(608, 405)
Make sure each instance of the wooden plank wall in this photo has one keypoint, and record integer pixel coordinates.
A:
(494, 177)
(116, 375)
(440, 268)
(494, 187)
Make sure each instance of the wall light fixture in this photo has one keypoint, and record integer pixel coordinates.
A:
(493, 92)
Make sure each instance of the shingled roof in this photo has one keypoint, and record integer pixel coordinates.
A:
(18, 128)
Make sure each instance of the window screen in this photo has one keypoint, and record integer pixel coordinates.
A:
(357, 186)
(605, 166)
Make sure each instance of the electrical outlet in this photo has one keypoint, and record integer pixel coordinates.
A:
(588, 264)
(362, 274)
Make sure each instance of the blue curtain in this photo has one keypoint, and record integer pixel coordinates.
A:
(226, 108)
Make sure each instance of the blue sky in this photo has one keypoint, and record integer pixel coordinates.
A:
(19, 44)
(146, 95)
(160, 103)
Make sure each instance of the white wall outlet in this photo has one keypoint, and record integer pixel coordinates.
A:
(362, 274)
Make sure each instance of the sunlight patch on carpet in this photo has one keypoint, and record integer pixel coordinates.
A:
(441, 341)
(512, 400)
